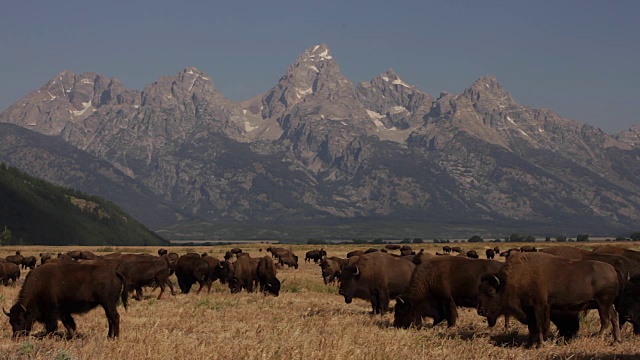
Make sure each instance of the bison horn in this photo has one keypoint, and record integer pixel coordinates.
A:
(5, 311)
(400, 300)
(357, 272)
(497, 280)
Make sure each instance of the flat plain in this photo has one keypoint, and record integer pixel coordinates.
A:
(309, 320)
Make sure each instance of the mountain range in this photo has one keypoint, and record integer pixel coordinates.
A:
(318, 150)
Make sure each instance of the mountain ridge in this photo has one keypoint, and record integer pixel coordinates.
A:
(337, 147)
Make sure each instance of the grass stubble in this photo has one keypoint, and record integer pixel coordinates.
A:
(307, 321)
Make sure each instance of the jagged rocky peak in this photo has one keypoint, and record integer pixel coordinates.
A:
(190, 84)
(487, 88)
(313, 82)
(631, 136)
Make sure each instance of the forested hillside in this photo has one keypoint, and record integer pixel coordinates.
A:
(37, 212)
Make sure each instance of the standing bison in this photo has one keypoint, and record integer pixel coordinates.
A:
(490, 253)
(56, 291)
(269, 283)
(315, 255)
(191, 268)
(529, 288)
(438, 286)
(377, 277)
(9, 271)
(331, 268)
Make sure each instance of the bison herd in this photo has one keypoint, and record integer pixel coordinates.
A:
(536, 287)
(78, 281)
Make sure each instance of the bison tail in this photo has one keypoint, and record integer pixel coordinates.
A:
(124, 294)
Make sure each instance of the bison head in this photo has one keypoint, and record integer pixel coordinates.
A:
(404, 314)
(20, 319)
(629, 302)
(410, 311)
(348, 282)
(489, 300)
(273, 286)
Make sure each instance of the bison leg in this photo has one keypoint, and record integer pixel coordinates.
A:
(615, 324)
(452, 316)
(114, 320)
(383, 301)
(162, 285)
(69, 324)
(173, 293)
(50, 324)
(535, 321)
(201, 283)
(249, 286)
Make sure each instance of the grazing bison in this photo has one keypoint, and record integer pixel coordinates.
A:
(139, 273)
(56, 291)
(472, 254)
(191, 268)
(507, 253)
(9, 271)
(44, 257)
(291, 261)
(438, 286)
(629, 303)
(16, 259)
(370, 250)
(269, 283)
(392, 246)
(315, 255)
(490, 253)
(162, 252)
(446, 249)
(457, 249)
(245, 274)
(29, 262)
(528, 248)
(407, 252)
(331, 268)
(377, 277)
(529, 288)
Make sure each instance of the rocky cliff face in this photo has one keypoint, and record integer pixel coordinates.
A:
(315, 147)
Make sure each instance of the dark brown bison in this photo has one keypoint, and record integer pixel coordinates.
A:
(405, 247)
(245, 274)
(529, 287)
(44, 257)
(490, 253)
(291, 261)
(392, 246)
(215, 271)
(446, 249)
(139, 273)
(528, 248)
(629, 303)
(236, 251)
(355, 253)
(191, 268)
(438, 286)
(568, 252)
(16, 259)
(407, 252)
(370, 250)
(29, 262)
(457, 249)
(421, 257)
(496, 250)
(331, 268)
(377, 277)
(472, 254)
(269, 283)
(507, 253)
(315, 255)
(74, 254)
(56, 291)
(9, 271)
(615, 250)
(162, 252)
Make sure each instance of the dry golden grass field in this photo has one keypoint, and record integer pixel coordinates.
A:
(307, 321)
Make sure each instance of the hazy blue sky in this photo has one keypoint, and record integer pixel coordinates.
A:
(579, 58)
